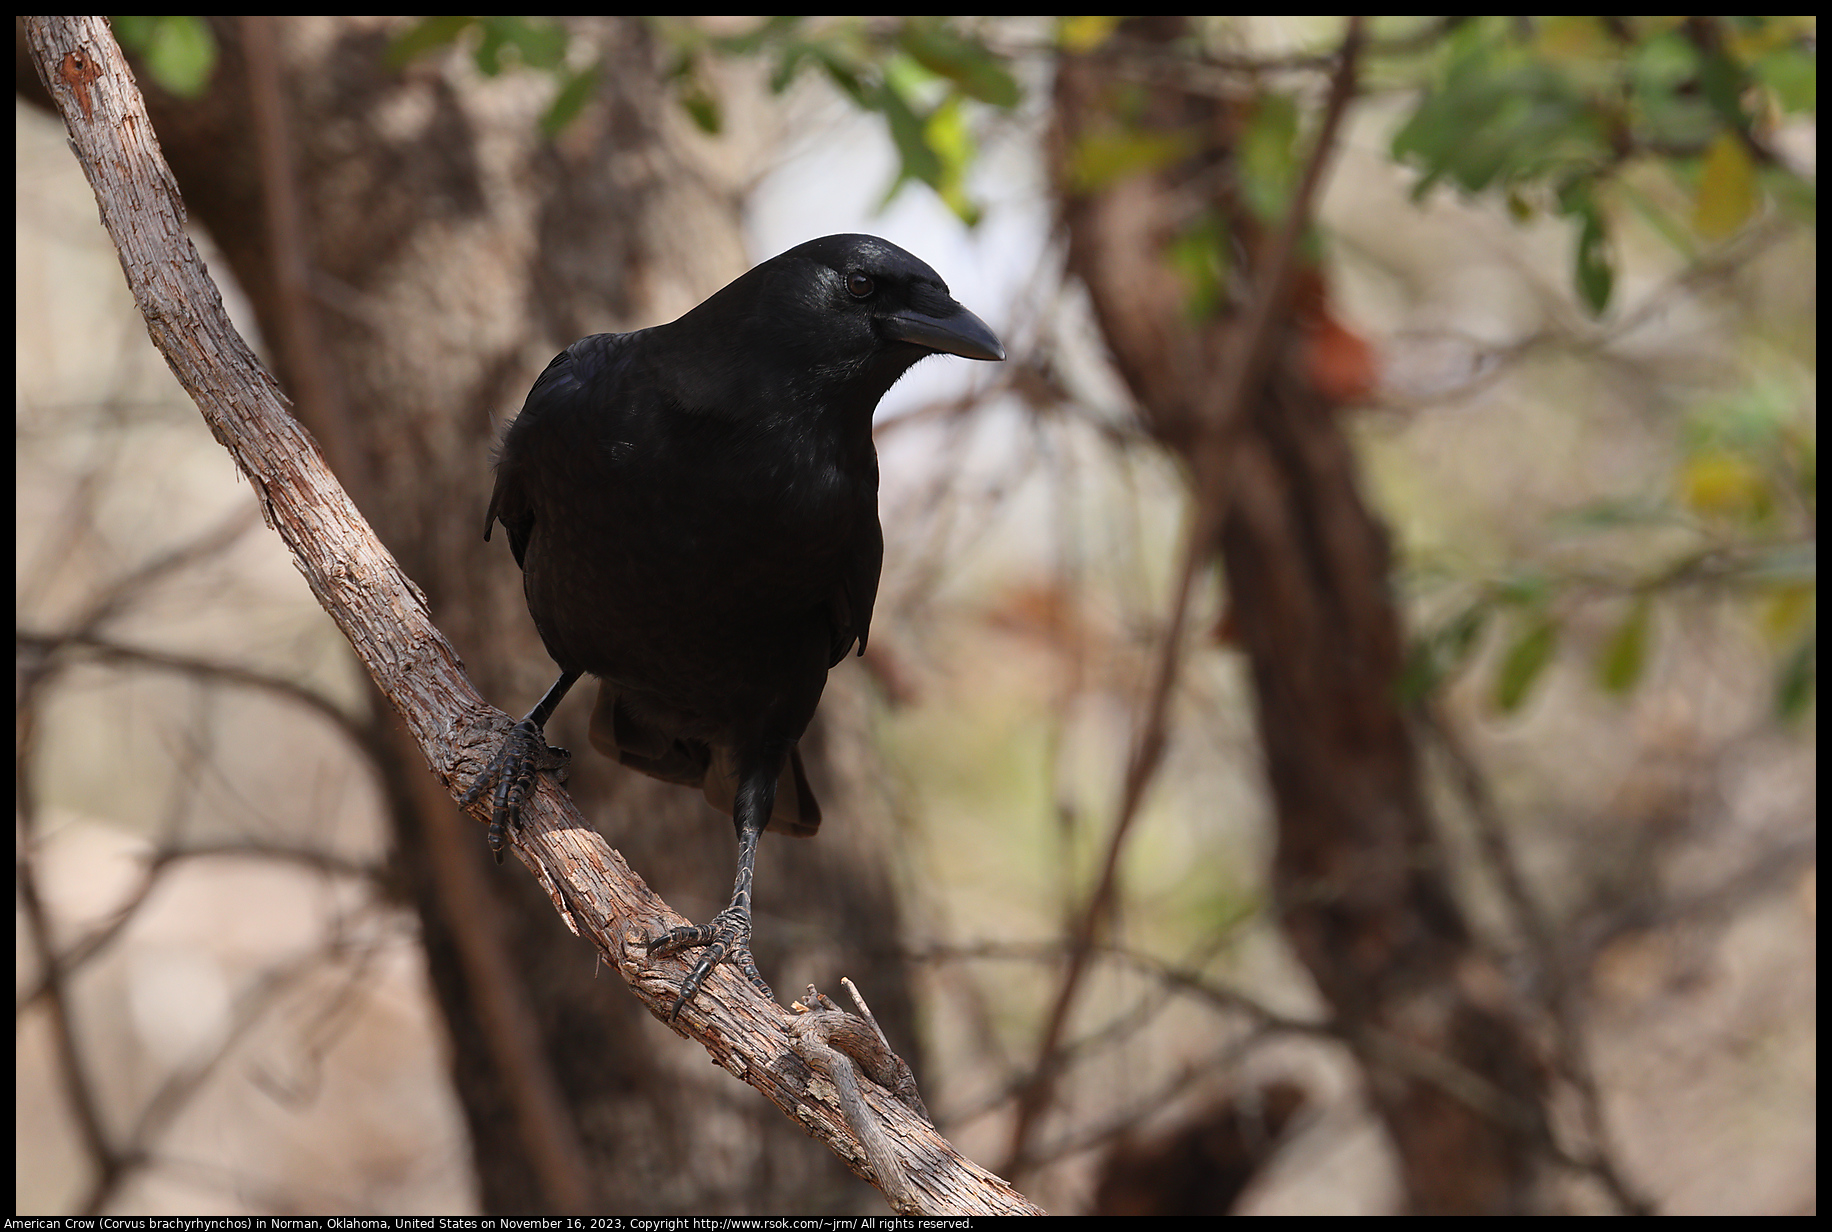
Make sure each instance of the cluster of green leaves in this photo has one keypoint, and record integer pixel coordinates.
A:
(178, 52)
(500, 44)
(1269, 156)
(1549, 111)
(1744, 501)
(922, 75)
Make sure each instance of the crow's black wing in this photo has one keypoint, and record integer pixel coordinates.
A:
(582, 382)
(858, 589)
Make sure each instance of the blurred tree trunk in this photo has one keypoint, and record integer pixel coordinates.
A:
(1358, 877)
(439, 251)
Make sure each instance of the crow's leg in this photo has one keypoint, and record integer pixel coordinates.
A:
(727, 937)
(524, 752)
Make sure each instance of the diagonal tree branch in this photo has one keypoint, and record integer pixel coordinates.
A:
(385, 617)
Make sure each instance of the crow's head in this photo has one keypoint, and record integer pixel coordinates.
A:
(844, 316)
(872, 295)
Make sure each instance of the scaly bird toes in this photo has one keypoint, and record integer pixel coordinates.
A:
(727, 938)
(523, 754)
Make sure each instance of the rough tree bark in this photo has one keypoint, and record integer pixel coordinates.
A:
(1358, 877)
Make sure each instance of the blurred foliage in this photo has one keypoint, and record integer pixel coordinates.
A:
(179, 52)
(1547, 113)
(1551, 111)
(1740, 516)
(920, 75)
(499, 44)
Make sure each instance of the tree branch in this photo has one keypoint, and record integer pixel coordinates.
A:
(1241, 371)
(385, 617)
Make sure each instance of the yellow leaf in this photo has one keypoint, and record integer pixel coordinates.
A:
(1078, 34)
(1574, 38)
(1787, 610)
(1726, 188)
(1101, 159)
(1723, 484)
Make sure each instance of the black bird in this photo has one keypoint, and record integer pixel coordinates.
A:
(695, 510)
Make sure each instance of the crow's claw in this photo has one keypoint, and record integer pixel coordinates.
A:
(524, 753)
(727, 938)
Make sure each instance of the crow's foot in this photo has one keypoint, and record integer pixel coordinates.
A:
(727, 938)
(524, 753)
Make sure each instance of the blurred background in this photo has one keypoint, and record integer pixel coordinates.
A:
(1466, 711)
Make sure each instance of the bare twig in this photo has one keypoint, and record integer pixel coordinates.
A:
(55, 645)
(72, 1067)
(73, 957)
(836, 1045)
(1243, 368)
(1573, 1056)
(319, 400)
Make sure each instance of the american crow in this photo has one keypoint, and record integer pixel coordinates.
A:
(695, 510)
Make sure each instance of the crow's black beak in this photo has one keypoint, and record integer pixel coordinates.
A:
(958, 333)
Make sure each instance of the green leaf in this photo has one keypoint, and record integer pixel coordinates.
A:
(1624, 657)
(1595, 275)
(1668, 108)
(976, 71)
(843, 74)
(536, 44)
(1792, 73)
(696, 97)
(1442, 653)
(424, 36)
(947, 133)
(132, 31)
(704, 110)
(1268, 156)
(1592, 268)
(1421, 675)
(906, 127)
(488, 54)
(1460, 636)
(1723, 82)
(178, 52)
(575, 91)
(1106, 157)
(1200, 257)
(1525, 660)
(1490, 121)
(542, 44)
(1797, 681)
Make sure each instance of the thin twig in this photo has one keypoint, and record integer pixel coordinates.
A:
(316, 394)
(72, 1067)
(105, 650)
(1243, 368)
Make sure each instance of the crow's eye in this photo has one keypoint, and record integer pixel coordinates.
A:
(860, 285)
